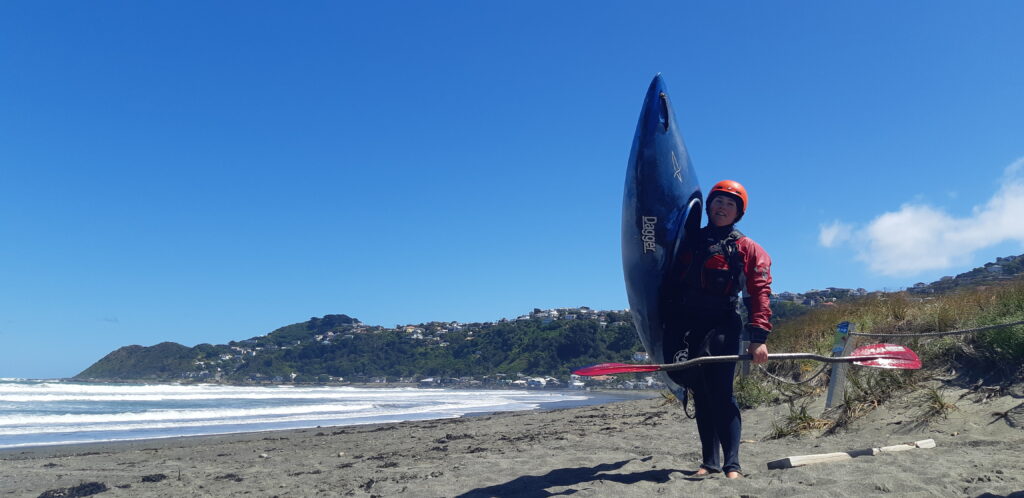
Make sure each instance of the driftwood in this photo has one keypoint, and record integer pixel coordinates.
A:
(801, 460)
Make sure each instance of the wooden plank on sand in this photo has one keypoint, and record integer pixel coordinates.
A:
(801, 460)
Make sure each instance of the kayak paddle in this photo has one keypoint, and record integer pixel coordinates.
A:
(873, 355)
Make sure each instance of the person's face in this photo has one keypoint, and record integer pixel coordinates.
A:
(723, 211)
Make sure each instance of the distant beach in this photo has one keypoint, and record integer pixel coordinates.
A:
(630, 448)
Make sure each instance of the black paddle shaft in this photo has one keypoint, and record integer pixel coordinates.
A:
(668, 367)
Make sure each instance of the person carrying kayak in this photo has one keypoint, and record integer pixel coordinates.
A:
(717, 265)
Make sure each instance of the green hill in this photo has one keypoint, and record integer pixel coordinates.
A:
(161, 361)
(337, 347)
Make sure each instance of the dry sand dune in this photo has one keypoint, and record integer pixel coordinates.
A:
(632, 448)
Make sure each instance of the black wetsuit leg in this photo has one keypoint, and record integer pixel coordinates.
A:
(720, 404)
(717, 413)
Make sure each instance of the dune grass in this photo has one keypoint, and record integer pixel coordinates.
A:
(994, 356)
(901, 313)
(934, 405)
(799, 421)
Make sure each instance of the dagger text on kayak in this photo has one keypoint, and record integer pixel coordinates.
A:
(648, 233)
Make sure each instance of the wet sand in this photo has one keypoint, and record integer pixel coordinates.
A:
(630, 448)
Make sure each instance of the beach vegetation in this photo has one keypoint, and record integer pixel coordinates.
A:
(987, 356)
(798, 422)
(996, 354)
(866, 390)
(933, 405)
(752, 391)
(779, 382)
(791, 392)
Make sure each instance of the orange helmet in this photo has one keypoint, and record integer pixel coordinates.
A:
(732, 188)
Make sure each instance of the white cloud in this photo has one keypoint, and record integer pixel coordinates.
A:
(919, 237)
(834, 233)
(1013, 171)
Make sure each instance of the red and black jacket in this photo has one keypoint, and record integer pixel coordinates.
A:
(729, 263)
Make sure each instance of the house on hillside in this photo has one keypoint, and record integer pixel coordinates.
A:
(784, 296)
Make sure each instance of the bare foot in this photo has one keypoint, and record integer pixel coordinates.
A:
(701, 472)
(734, 475)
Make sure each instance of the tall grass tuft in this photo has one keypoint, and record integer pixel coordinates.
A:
(933, 405)
(798, 422)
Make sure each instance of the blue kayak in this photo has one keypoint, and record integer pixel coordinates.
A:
(662, 204)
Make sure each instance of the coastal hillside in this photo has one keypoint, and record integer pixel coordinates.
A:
(339, 347)
(163, 360)
(546, 343)
(1002, 269)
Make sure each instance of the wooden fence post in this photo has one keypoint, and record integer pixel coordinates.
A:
(837, 379)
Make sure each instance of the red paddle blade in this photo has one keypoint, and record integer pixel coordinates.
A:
(891, 356)
(615, 368)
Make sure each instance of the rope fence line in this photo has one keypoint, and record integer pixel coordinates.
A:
(776, 378)
(937, 334)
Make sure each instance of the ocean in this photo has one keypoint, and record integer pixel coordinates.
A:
(48, 412)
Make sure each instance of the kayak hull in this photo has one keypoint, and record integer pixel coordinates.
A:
(661, 206)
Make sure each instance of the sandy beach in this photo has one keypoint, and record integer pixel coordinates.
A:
(630, 448)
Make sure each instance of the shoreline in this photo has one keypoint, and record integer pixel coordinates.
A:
(627, 448)
(92, 447)
(592, 397)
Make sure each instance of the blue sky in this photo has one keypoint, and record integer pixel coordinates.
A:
(210, 171)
